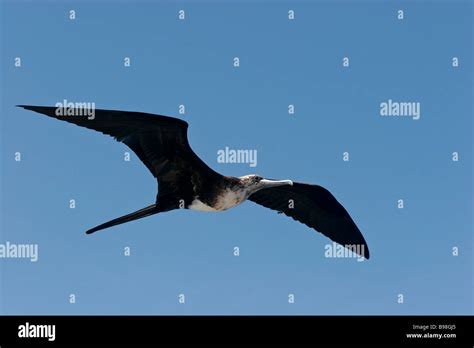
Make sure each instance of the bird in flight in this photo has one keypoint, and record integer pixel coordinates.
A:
(186, 182)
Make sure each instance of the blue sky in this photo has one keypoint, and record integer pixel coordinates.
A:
(282, 62)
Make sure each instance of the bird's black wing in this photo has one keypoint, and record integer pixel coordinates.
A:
(316, 207)
(159, 141)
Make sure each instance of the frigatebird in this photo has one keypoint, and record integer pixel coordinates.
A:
(185, 181)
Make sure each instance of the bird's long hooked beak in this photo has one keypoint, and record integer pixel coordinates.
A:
(272, 183)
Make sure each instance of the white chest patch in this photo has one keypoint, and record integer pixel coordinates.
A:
(200, 206)
(227, 200)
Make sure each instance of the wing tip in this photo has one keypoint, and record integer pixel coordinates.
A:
(366, 252)
(28, 107)
(92, 230)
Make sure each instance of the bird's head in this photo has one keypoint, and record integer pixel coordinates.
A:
(254, 182)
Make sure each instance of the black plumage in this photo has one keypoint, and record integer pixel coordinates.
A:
(317, 208)
(183, 178)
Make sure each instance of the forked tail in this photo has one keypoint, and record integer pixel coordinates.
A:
(147, 211)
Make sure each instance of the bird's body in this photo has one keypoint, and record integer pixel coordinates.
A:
(186, 182)
(233, 191)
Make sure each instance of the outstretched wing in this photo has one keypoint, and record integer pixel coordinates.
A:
(159, 141)
(316, 207)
